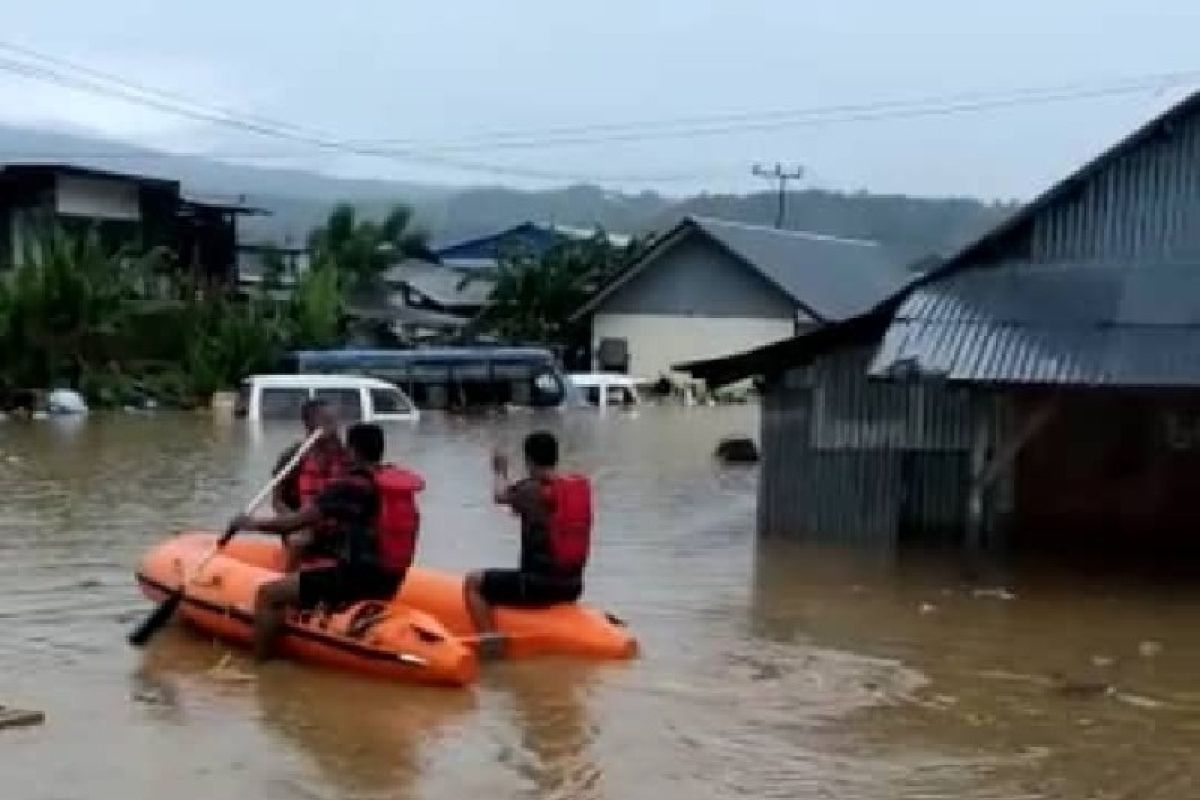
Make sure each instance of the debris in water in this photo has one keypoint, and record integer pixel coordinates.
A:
(999, 593)
(227, 670)
(927, 608)
(1137, 700)
(19, 718)
(1103, 661)
(1073, 688)
(1150, 649)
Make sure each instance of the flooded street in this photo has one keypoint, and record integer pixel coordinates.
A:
(768, 670)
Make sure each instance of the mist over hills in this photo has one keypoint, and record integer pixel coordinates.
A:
(911, 227)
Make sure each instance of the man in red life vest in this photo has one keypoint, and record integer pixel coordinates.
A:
(324, 463)
(556, 525)
(372, 513)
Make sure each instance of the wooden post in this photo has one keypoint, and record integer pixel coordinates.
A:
(985, 471)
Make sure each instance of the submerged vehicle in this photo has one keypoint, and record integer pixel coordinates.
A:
(450, 377)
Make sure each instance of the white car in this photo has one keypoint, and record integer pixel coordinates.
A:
(352, 398)
(604, 389)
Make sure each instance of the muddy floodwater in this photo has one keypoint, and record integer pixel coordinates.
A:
(768, 669)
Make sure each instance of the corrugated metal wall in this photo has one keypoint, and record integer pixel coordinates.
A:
(1145, 203)
(850, 460)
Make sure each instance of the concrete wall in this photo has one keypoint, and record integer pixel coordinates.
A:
(656, 341)
(694, 301)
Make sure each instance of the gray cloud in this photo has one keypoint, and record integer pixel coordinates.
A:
(440, 73)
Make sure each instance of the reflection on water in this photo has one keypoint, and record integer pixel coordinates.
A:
(768, 671)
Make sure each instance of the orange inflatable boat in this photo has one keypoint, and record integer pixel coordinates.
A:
(389, 640)
(567, 629)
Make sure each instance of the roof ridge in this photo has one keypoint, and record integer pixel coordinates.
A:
(702, 220)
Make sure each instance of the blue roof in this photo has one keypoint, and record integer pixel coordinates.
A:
(530, 237)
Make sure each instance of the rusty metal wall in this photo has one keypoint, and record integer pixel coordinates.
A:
(851, 460)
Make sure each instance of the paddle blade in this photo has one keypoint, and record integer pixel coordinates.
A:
(160, 617)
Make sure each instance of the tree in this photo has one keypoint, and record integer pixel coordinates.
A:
(535, 296)
(361, 250)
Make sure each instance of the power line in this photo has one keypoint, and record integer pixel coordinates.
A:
(101, 83)
(766, 120)
(199, 113)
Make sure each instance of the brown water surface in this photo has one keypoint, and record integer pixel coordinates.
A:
(768, 671)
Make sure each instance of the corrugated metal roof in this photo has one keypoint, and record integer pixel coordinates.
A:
(443, 285)
(831, 278)
(1072, 324)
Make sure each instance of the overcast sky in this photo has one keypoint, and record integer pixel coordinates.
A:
(440, 74)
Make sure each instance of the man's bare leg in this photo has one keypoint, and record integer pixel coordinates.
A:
(270, 609)
(491, 643)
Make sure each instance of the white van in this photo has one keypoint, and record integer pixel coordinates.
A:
(604, 389)
(352, 398)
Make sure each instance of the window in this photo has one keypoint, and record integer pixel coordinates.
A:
(591, 395)
(346, 404)
(281, 403)
(389, 402)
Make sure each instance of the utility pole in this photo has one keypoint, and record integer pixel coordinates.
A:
(778, 173)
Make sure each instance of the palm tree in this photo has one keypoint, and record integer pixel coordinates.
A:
(361, 250)
(535, 296)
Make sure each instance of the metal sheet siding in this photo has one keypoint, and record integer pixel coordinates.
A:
(850, 460)
(1144, 203)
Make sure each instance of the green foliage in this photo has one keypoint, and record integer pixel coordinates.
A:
(535, 296)
(360, 250)
(315, 307)
(72, 313)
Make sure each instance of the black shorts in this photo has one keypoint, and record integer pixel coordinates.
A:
(511, 587)
(340, 585)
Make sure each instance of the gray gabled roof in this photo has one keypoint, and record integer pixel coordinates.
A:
(442, 284)
(831, 278)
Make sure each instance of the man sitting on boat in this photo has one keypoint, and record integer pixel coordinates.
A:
(323, 464)
(556, 524)
(371, 514)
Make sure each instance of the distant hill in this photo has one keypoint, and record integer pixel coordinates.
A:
(912, 227)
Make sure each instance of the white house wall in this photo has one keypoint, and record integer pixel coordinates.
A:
(656, 341)
(97, 198)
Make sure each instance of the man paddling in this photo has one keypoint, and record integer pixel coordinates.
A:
(372, 512)
(556, 524)
(323, 464)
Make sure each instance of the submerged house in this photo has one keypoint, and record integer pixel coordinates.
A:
(711, 287)
(1040, 388)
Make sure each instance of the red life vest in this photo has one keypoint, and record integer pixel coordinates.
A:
(569, 503)
(399, 520)
(317, 471)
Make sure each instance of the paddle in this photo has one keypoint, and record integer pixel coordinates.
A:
(166, 609)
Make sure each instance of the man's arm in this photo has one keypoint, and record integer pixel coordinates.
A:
(278, 503)
(501, 488)
(285, 523)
